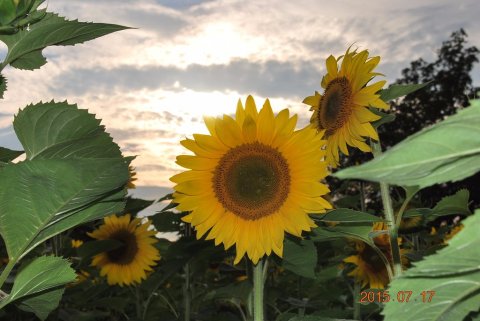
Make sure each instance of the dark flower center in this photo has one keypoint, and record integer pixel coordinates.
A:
(252, 180)
(335, 105)
(126, 253)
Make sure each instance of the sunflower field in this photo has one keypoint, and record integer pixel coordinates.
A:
(259, 233)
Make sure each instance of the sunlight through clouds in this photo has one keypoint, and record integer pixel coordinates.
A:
(186, 59)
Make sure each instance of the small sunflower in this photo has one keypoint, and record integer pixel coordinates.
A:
(411, 223)
(253, 178)
(129, 263)
(454, 231)
(76, 243)
(342, 109)
(133, 177)
(370, 269)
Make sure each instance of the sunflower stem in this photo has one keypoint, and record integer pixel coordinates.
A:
(408, 198)
(390, 217)
(258, 282)
(138, 301)
(186, 288)
(356, 301)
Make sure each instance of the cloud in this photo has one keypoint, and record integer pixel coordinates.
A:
(270, 79)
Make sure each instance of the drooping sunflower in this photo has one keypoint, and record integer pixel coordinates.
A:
(342, 110)
(253, 178)
(370, 270)
(128, 263)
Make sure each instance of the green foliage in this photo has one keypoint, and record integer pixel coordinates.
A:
(43, 303)
(3, 85)
(359, 232)
(73, 174)
(316, 318)
(453, 273)
(135, 205)
(396, 91)
(345, 215)
(8, 11)
(38, 281)
(25, 47)
(456, 204)
(446, 151)
(7, 155)
(300, 257)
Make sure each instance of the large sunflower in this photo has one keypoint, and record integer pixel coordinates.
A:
(342, 109)
(253, 178)
(128, 263)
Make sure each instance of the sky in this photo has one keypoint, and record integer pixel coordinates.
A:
(151, 85)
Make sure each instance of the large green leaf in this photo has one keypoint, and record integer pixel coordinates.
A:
(396, 91)
(42, 274)
(446, 151)
(300, 257)
(30, 61)
(41, 304)
(453, 273)
(73, 174)
(59, 130)
(25, 46)
(456, 204)
(42, 197)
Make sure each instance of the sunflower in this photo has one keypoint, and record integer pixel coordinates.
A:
(133, 177)
(128, 263)
(76, 243)
(342, 110)
(253, 178)
(454, 231)
(370, 269)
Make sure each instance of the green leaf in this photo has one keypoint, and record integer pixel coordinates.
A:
(135, 205)
(345, 215)
(73, 174)
(8, 12)
(453, 273)
(51, 30)
(42, 274)
(446, 151)
(30, 61)
(43, 197)
(396, 91)
(360, 232)
(166, 221)
(456, 204)
(3, 85)
(300, 257)
(7, 155)
(59, 130)
(386, 118)
(41, 304)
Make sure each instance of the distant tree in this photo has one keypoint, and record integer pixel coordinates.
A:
(450, 89)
